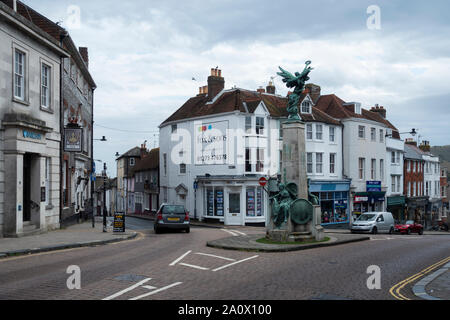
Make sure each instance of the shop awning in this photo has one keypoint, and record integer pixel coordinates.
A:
(396, 201)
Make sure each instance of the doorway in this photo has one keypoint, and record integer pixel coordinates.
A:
(234, 211)
(27, 187)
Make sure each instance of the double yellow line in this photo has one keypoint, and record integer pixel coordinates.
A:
(395, 290)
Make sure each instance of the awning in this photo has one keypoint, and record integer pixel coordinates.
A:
(396, 201)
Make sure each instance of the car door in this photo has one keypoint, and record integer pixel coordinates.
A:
(381, 223)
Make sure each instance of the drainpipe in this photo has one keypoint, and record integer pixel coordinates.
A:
(61, 129)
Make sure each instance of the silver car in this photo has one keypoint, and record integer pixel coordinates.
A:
(374, 222)
(174, 217)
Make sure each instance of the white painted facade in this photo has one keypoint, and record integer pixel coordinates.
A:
(395, 150)
(30, 129)
(361, 149)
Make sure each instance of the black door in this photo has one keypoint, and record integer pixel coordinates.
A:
(27, 187)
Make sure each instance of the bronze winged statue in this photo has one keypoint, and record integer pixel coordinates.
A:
(296, 81)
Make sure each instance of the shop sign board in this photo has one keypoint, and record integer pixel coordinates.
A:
(73, 138)
(373, 186)
(119, 222)
(211, 143)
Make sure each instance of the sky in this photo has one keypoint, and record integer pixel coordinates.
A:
(144, 55)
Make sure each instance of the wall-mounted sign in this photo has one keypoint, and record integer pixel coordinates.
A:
(32, 135)
(373, 186)
(73, 138)
(361, 199)
(211, 143)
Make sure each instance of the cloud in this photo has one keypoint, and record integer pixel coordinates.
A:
(143, 55)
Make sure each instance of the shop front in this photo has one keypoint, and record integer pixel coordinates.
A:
(236, 200)
(334, 200)
(396, 205)
(368, 202)
(416, 206)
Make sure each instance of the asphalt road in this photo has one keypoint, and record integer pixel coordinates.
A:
(179, 266)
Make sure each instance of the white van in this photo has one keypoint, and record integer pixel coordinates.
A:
(374, 222)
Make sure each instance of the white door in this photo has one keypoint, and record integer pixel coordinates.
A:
(234, 214)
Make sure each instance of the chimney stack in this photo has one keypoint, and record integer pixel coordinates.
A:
(270, 88)
(425, 146)
(380, 110)
(216, 83)
(84, 54)
(261, 90)
(411, 141)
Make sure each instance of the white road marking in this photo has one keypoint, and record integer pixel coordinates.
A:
(156, 291)
(134, 286)
(149, 287)
(241, 233)
(233, 263)
(214, 256)
(193, 266)
(180, 258)
(230, 232)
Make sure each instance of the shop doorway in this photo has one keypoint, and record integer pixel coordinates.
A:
(234, 217)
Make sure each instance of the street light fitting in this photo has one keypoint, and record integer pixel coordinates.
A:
(103, 139)
(413, 132)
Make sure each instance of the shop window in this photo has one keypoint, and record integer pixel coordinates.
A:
(214, 202)
(255, 202)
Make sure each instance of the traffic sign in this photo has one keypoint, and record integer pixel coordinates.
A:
(262, 182)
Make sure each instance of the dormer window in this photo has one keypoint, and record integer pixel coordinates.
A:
(306, 107)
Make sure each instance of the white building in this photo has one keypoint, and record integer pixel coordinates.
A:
(218, 145)
(432, 184)
(30, 133)
(364, 152)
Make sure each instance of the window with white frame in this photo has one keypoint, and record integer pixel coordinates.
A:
(392, 183)
(182, 168)
(306, 107)
(309, 131)
(332, 163)
(398, 178)
(381, 135)
(414, 194)
(248, 125)
(397, 157)
(443, 195)
(373, 169)
(19, 75)
(319, 132)
(319, 163)
(373, 134)
(174, 128)
(332, 134)
(361, 168)
(165, 163)
(132, 162)
(45, 86)
(409, 189)
(259, 160)
(259, 125)
(381, 169)
(309, 163)
(362, 132)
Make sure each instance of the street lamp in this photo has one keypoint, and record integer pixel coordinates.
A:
(413, 132)
(103, 139)
(104, 197)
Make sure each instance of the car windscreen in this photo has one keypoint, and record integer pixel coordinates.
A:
(173, 210)
(367, 217)
(409, 222)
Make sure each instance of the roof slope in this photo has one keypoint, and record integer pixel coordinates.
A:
(151, 161)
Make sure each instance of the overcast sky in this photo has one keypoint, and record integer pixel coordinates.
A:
(144, 54)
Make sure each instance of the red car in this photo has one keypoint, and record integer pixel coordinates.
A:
(409, 227)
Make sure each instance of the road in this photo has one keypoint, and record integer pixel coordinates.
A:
(179, 266)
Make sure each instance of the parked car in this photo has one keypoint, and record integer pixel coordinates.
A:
(409, 227)
(374, 222)
(174, 217)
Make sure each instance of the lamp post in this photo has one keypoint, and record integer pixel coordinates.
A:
(103, 139)
(413, 132)
(104, 197)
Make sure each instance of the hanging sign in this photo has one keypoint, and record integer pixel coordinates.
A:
(73, 138)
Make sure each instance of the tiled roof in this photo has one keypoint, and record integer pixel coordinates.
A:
(151, 161)
(134, 152)
(232, 100)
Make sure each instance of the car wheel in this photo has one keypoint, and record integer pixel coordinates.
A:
(391, 231)
(408, 232)
(157, 230)
(188, 230)
(421, 231)
(374, 230)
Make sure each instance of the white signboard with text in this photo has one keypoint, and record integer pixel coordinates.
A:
(211, 142)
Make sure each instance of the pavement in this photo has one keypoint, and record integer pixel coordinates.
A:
(80, 235)
(435, 286)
